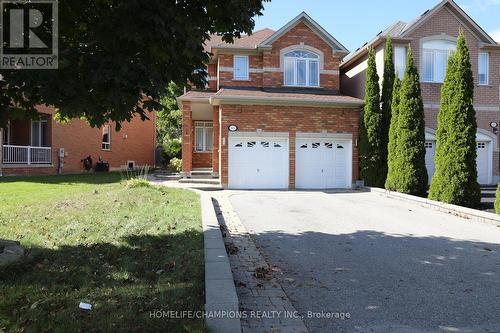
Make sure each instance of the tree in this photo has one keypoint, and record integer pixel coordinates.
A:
(371, 128)
(411, 177)
(169, 118)
(390, 182)
(497, 200)
(386, 101)
(455, 180)
(112, 53)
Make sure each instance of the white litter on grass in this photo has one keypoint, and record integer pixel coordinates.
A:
(85, 306)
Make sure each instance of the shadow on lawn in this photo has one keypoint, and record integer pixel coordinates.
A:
(124, 283)
(84, 178)
(385, 280)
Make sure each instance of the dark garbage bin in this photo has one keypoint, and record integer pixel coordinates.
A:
(101, 166)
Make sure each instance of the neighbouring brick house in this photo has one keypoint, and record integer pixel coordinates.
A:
(431, 37)
(44, 146)
(272, 115)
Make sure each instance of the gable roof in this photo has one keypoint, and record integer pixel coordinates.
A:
(401, 30)
(244, 42)
(313, 25)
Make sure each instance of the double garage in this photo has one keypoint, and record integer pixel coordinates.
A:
(269, 160)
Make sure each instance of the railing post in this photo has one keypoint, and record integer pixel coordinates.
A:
(29, 155)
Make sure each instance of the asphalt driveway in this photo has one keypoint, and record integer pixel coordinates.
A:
(393, 266)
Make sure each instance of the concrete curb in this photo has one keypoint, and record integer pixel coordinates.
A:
(467, 213)
(220, 291)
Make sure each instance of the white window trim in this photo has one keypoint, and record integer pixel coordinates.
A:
(204, 125)
(235, 78)
(430, 39)
(295, 71)
(6, 134)
(434, 66)
(400, 74)
(487, 68)
(40, 136)
(106, 145)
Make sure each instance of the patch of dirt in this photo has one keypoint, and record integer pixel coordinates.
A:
(263, 273)
(231, 249)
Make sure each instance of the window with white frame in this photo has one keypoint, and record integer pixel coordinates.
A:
(301, 69)
(6, 134)
(240, 67)
(400, 60)
(106, 137)
(39, 133)
(435, 55)
(203, 136)
(484, 66)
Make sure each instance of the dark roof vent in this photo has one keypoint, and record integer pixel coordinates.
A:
(380, 33)
(425, 12)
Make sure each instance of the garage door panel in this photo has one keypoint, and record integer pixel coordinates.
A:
(258, 163)
(323, 163)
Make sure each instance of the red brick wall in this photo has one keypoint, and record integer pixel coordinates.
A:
(202, 160)
(301, 33)
(290, 119)
(135, 141)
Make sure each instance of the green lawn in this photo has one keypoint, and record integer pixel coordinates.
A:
(126, 251)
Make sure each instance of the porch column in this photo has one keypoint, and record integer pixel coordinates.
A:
(215, 149)
(187, 138)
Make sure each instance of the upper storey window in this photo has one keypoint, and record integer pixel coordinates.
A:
(301, 69)
(240, 70)
(484, 66)
(435, 56)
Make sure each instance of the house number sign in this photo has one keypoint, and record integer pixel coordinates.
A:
(232, 128)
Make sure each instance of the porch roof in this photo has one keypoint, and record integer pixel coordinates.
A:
(297, 97)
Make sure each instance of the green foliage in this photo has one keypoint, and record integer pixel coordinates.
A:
(371, 151)
(497, 200)
(137, 182)
(411, 174)
(169, 118)
(386, 102)
(172, 148)
(390, 182)
(455, 178)
(113, 52)
(176, 164)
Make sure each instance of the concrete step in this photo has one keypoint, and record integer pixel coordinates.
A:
(210, 181)
(167, 176)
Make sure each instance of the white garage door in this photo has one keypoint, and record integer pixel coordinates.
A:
(258, 163)
(323, 163)
(482, 162)
(430, 150)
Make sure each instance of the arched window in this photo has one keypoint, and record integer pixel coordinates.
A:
(301, 69)
(435, 54)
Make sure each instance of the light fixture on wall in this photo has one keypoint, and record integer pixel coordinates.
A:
(494, 125)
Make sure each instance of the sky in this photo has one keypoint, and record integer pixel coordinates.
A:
(354, 22)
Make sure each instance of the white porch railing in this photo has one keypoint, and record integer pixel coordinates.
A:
(26, 155)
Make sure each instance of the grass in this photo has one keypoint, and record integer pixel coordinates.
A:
(128, 251)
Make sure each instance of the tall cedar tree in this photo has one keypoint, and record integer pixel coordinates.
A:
(390, 182)
(456, 173)
(112, 53)
(410, 156)
(386, 99)
(371, 131)
(444, 123)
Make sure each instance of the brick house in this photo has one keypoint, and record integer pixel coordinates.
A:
(432, 36)
(272, 115)
(44, 146)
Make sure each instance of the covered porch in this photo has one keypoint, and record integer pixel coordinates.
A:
(27, 142)
(200, 135)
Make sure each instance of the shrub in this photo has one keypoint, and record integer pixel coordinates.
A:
(497, 200)
(172, 148)
(386, 105)
(137, 182)
(393, 137)
(176, 164)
